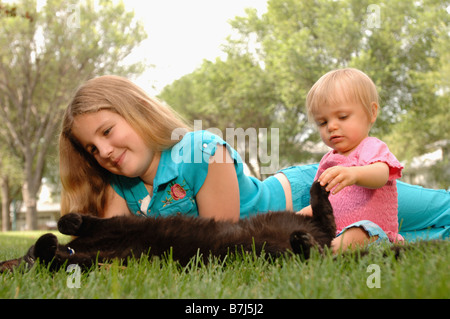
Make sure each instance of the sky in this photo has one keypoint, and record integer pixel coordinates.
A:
(181, 34)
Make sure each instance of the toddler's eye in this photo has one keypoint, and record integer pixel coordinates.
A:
(107, 131)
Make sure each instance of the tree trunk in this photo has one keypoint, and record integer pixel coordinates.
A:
(29, 199)
(31, 185)
(6, 202)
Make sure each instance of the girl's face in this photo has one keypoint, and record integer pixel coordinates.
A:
(344, 125)
(113, 143)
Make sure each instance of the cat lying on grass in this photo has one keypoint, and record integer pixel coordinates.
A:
(128, 236)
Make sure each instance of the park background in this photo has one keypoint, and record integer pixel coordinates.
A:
(264, 62)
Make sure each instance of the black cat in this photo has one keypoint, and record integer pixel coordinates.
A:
(123, 237)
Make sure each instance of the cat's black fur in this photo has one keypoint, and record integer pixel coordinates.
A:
(123, 237)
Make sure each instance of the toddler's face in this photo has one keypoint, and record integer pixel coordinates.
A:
(344, 125)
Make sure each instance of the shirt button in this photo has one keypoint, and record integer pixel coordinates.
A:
(205, 145)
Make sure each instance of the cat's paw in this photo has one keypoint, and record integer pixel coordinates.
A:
(301, 243)
(45, 247)
(70, 224)
(318, 191)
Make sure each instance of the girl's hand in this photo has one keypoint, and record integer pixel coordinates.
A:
(338, 175)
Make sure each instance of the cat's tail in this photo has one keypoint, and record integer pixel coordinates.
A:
(323, 212)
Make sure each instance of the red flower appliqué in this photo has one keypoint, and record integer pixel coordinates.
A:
(177, 192)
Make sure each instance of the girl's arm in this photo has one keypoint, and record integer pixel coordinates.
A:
(115, 205)
(218, 197)
(374, 175)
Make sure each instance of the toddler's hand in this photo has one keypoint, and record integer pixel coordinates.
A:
(338, 175)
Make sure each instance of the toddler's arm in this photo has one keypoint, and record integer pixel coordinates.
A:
(371, 176)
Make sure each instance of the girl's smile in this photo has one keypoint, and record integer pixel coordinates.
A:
(118, 162)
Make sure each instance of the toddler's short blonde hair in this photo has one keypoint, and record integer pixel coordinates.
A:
(354, 86)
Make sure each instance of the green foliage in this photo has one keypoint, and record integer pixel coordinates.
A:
(275, 59)
(232, 94)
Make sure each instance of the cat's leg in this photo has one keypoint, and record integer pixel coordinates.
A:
(70, 224)
(45, 247)
(84, 225)
(48, 251)
(322, 209)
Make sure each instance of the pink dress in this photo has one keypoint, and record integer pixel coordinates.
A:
(355, 203)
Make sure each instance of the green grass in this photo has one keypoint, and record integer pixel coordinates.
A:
(423, 272)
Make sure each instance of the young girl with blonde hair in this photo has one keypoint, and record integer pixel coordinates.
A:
(85, 182)
(122, 151)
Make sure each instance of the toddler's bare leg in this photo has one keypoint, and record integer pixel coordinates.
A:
(352, 238)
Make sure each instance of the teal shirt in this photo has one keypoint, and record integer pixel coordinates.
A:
(181, 173)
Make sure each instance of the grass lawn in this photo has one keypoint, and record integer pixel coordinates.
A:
(423, 272)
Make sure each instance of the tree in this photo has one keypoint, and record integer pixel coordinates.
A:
(231, 94)
(426, 125)
(10, 181)
(302, 40)
(44, 56)
(402, 45)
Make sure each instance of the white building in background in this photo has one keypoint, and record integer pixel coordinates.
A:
(419, 170)
(48, 211)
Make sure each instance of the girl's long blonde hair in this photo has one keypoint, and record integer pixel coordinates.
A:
(84, 181)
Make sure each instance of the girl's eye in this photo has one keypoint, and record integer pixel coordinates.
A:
(321, 123)
(107, 131)
(343, 117)
(93, 149)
